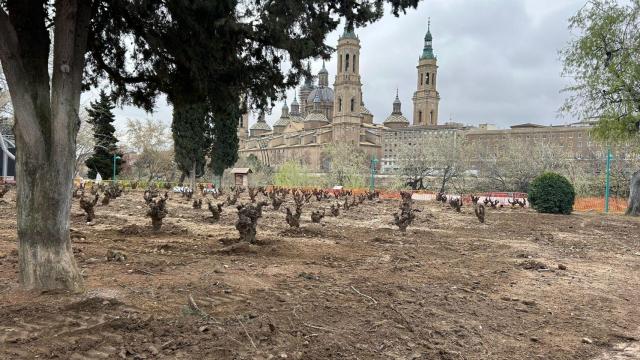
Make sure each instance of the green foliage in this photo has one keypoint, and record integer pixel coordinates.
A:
(224, 152)
(348, 166)
(101, 118)
(292, 174)
(603, 62)
(190, 126)
(552, 193)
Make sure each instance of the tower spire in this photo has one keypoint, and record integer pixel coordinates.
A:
(397, 105)
(427, 51)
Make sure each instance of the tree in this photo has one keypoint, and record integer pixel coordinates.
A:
(604, 65)
(5, 100)
(348, 165)
(190, 128)
(105, 149)
(443, 157)
(151, 142)
(84, 144)
(512, 164)
(127, 43)
(224, 151)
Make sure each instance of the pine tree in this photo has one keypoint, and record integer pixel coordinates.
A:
(101, 118)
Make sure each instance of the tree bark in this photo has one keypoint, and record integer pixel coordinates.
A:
(46, 127)
(634, 196)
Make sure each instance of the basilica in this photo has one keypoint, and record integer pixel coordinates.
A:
(320, 115)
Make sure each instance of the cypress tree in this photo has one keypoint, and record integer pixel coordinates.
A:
(190, 136)
(224, 150)
(101, 118)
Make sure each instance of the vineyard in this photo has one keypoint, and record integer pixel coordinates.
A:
(314, 274)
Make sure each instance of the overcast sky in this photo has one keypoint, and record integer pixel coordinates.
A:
(498, 61)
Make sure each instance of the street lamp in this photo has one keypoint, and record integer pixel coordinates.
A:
(374, 162)
(115, 158)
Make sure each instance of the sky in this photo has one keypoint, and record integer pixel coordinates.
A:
(498, 61)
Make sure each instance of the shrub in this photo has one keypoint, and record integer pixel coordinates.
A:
(292, 174)
(552, 193)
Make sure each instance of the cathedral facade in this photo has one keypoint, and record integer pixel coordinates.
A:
(320, 115)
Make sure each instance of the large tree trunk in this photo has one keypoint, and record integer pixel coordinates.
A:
(634, 195)
(43, 194)
(46, 126)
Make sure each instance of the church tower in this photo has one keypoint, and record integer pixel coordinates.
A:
(347, 106)
(305, 105)
(426, 98)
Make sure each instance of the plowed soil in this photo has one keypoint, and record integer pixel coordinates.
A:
(521, 286)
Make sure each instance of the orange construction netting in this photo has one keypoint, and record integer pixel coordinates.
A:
(616, 205)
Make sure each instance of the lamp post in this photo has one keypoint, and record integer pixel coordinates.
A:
(607, 186)
(115, 158)
(372, 184)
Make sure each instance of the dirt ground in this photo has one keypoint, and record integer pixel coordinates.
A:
(522, 286)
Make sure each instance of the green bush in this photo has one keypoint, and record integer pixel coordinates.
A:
(552, 193)
(292, 174)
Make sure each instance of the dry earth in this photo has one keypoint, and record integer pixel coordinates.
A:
(352, 287)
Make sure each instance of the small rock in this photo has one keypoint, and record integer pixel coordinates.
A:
(562, 267)
(587, 341)
(203, 328)
(534, 339)
(153, 350)
(115, 255)
(283, 356)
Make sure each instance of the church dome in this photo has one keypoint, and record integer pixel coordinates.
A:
(283, 121)
(396, 119)
(316, 117)
(260, 125)
(325, 94)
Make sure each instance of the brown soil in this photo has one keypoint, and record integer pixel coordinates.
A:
(352, 287)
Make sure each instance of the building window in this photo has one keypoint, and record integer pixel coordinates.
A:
(427, 79)
(354, 63)
(340, 62)
(346, 62)
(431, 117)
(421, 79)
(353, 105)
(419, 117)
(434, 79)
(339, 104)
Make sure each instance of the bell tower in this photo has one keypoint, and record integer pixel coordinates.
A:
(347, 106)
(426, 98)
